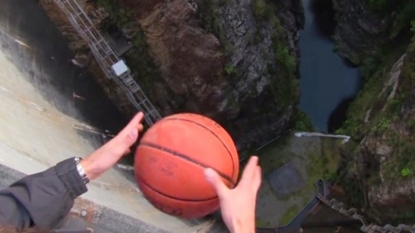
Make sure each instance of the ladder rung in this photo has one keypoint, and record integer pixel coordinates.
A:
(106, 57)
(135, 89)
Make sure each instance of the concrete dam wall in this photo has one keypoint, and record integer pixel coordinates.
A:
(51, 110)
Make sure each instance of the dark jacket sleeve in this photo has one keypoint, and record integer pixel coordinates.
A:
(42, 199)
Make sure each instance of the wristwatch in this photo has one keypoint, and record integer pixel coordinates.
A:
(81, 170)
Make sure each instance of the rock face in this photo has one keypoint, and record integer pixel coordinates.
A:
(358, 30)
(223, 74)
(381, 119)
(243, 75)
(389, 145)
(291, 15)
(189, 59)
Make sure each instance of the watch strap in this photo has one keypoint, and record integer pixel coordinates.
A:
(81, 170)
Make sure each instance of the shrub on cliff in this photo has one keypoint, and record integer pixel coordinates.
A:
(402, 12)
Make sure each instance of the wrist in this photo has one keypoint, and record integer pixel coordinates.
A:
(80, 167)
(243, 227)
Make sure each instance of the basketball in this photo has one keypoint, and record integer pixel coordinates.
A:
(170, 161)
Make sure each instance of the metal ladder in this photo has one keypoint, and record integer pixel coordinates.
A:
(106, 57)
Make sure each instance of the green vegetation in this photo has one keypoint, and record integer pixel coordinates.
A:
(324, 163)
(303, 122)
(398, 166)
(404, 13)
(138, 59)
(211, 21)
(405, 172)
(260, 223)
(405, 216)
(284, 84)
(336, 47)
(263, 11)
(289, 215)
(355, 196)
(387, 121)
(230, 69)
(275, 155)
(312, 158)
(117, 16)
(368, 103)
(322, 157)
(284, 81)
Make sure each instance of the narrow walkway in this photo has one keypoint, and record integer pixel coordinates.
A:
(107, 58)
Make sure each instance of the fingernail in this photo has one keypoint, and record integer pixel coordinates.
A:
(208, 174)
(133, 134)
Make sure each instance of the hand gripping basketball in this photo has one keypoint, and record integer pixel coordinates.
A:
(171, 159)
(238, 204)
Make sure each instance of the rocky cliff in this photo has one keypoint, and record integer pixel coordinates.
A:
(359, 30)
(381, 120)
(234, 61)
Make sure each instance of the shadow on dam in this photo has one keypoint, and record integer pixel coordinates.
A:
(34, 44)
(33, 138)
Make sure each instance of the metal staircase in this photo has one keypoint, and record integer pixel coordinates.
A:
(366, 227)
(106, 58)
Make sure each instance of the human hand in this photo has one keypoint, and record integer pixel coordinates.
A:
(238, 204)
(105, 157)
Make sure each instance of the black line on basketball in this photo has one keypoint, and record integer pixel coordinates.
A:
(230, 154)
(185, 157)
(177, 198)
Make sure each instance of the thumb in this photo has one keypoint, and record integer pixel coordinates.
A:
(132, 137)
(213, 178)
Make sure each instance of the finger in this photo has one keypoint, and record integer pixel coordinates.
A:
(257, 179)
(249, 171)
(216, 182)
(140, 127)
(133, 124)
(127, 151)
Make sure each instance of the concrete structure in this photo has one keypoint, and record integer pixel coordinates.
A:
(108, 59)
(41, 123)
(311, 134)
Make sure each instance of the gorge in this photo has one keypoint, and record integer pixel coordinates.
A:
(248, 64)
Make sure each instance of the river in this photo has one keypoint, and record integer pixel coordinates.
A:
(328, 83)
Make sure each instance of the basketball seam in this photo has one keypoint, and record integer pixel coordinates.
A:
(177, 198)
(187, 158)
(227, 149)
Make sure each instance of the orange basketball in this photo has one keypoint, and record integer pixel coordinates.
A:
(170, 162)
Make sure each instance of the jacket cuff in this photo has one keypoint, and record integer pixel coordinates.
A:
(69, 175)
